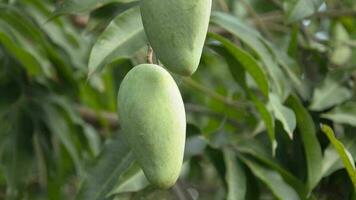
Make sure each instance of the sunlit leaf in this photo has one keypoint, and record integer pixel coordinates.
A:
(343, 153)
(235, 177)
(307, 130)
(122, 38)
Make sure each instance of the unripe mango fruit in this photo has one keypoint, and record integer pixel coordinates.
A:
(176, 30)
(152, 118)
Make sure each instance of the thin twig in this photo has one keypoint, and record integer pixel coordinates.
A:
(254, 14)
(95, 117)
(224, 7)
(191, 83)
(149, 54)
(335, 13)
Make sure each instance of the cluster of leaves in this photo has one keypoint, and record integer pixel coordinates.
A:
(271, 74)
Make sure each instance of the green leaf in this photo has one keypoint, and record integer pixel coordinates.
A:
(343, 153)
(121, 39)
(58, 125)
(299, 9)
(27, 60)
(102, 177)
(307, 130)
(254, 40)
(247, 61)
(273, 180)
(80, 6)
(133, 180)
(235, 176)
(331, 92)
(332, 161)
(239, 74)
(255, 149)
(341, 53)
(343, 114)
(285, 115)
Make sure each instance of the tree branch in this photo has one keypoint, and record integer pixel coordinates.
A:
(96, 118)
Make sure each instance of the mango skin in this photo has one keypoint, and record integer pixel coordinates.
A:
(176, 30)
(153, 121)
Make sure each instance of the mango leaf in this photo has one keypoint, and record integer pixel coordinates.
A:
(80, 6)
(27, 60)
(133, 180)
(255, 149)
(285, 115)
(343, 114)
(307, 130)
(121, 39)
(247, 61)
(254, 40)
(58, 125)
(237, 70)
(235, 176)
(341, 53)
(299, 9)
(103, 175)
(343, 153)
(272, 179)
(331, 92)
(331, 161)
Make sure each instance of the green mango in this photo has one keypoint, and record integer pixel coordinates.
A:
(153, 121)
(176, 30)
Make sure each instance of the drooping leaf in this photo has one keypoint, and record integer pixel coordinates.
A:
(101, 178)
(56, 122)
(133, 180)
(79, 6)
(331, 161)
(272, 179)
(343, 153)
(257, 151)
(307, 130)
(331, 91)
(235, 176)
(238, 72)
(299, 9)
(122, 38)
(285, 115)
(343, 114)
(247, 61)
(254, 40)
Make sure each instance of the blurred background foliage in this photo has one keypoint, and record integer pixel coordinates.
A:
(271, 73)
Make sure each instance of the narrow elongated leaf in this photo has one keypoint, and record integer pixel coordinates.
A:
(238, 72)
(285, 115)
(102, 177)
(273, 180)
(133, 180)
(299, 9)
(235, 177)
(343, 153)
(80, 6)
(344, 114)
(331, 161)
(57, 124)
(27, 60)
(255, 149)
(122, 38)
(311, 144)
(247, 61)
(254, 40)
(331, 92)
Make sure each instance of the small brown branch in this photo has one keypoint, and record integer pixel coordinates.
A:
(95, 118)
(335, 13)
(149, 54)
